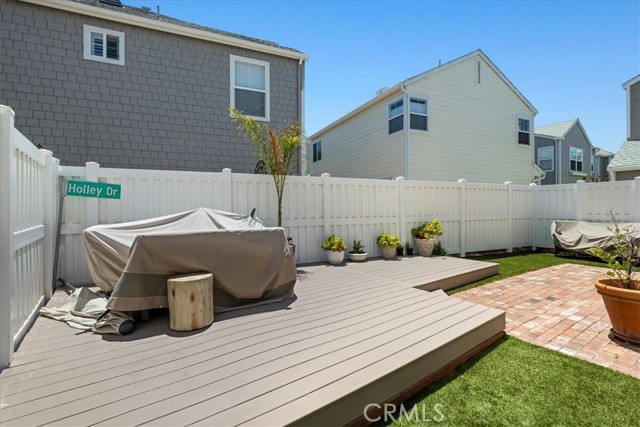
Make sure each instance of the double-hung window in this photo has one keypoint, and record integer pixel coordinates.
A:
(418, 116)
(317, 151)
(250, 87)
(524, 131)
(576, 159)
(396, 116)
(545, 158)
(103, 45)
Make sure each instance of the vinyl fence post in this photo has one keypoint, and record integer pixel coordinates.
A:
(227, 199)
(8, 191)
(92, 202)
(534, 217)
(50, 192)
(402, 209)
(463, 215)
(578, 200)
(509, 216)
(635, 198)
(326, 205)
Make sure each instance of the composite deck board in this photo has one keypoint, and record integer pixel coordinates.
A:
(353, 332)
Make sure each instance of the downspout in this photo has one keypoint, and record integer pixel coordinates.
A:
(302, 160)
(407, 133)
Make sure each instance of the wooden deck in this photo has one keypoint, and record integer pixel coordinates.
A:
(354, 335)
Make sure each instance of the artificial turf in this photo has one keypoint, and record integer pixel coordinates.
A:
(513, 383)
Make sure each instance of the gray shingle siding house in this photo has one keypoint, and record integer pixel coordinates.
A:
(626, 163)
(564, 151)
(632, 87)
(128, 87)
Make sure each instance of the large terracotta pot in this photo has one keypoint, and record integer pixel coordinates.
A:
(388, 252)
(623, 307)
(424, 246)
(335, 258)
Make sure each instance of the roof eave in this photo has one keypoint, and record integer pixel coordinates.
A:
(123, 18)
(633, 81)
(622, 168)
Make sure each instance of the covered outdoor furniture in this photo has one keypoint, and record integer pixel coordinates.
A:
(576, 237)
(250, 264)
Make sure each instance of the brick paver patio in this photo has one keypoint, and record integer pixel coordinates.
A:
(558, 308)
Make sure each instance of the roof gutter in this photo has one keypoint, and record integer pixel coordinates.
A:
(84, 9)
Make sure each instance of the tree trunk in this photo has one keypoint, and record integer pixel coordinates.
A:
(279, 210)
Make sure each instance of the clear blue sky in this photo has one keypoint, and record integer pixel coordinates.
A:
(568, 58)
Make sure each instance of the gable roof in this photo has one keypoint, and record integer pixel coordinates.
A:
(627, 157)
(633, 81)
(396, 88)
(555, 130)
(144, 17)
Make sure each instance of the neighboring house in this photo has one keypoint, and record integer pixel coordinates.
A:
(626, 163)
(463, 119)
(565, 153)
(602, 160)
(127, 87)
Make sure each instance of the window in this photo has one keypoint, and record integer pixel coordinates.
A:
(593, 163)
(418, 118)
(524, 131)
(575, 158)
(545, 158)
(396, 113)
(317, 151)
(418, 114)
(250, 87)
(103, 45)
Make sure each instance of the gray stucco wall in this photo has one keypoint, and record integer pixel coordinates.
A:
(634, 112)
(166, 108)
(550, 177)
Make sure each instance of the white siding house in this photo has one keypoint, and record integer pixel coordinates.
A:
(466, 120)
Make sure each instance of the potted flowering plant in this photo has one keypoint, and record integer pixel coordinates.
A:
(424, 236)
(357, 252)
(334, 247)
(621, 293)
(388, 244)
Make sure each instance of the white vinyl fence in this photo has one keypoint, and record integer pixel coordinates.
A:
(475, 217)
(28, 188)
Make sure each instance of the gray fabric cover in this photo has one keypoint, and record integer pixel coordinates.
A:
(250, 264)
(578, 236)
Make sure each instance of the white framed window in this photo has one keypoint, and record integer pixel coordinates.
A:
(101, 44)
(250, 87)
(418, 118)
(545, 158)
(317, 151)
(593, 163)
(576, 159)
(524, 131)
(396, 116)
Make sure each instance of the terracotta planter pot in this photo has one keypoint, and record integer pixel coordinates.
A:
(388, 252)
(424, 246)
(335, 258)
(623, 307)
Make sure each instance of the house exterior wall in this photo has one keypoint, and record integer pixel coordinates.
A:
(361, 148)
(627, 175)
(472, 133)
(601, 167)
(575, 138)
(166, 108)
(541, 141)
(634, 112)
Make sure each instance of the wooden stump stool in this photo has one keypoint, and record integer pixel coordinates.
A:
(190, 301)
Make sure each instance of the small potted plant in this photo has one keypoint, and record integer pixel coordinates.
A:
(388, 244)
(357, 252)
(621, 293)
(424, 236)
(400, 250)
(409, 247)
(334, 247)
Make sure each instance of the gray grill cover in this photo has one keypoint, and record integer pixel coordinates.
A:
(578, 236)
(250, 264)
